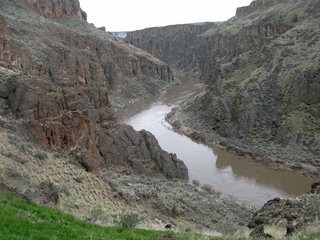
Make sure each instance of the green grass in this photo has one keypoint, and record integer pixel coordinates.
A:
(24, 220)
(21, 219)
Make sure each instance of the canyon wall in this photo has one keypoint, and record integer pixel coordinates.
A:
(262, 70)
(258, 5)
(64, 78)
(176, 45)
(56, 9)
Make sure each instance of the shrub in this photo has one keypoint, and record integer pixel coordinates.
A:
(127, 220)
(229, 147)
(208, 188)
(78, 179)
(56, 155)
(14, 140)
(40, 155)
(64, 189)
(295, 18)
(196, 183)
(95, 213)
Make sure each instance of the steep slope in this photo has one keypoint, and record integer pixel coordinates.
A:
(63, 78)
(281, 218)
(263, 75)
(177, 45)
(53, 179)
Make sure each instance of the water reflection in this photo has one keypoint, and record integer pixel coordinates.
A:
(292, 184)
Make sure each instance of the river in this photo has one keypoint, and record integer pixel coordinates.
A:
(229, 174)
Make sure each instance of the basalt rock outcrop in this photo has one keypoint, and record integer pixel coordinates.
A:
(258, 5)
(127, 147)
(284, 217)
(44, 193)
(56, 9)
(63, 78)
(176, 45)
(263, 75)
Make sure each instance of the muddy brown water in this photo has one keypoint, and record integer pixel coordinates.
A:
(231, 175)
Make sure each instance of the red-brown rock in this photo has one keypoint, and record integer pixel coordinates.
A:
(58, 77)
(69, 9)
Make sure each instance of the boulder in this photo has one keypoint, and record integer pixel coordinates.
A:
(12, 181)
(49, 193)
(315, 188)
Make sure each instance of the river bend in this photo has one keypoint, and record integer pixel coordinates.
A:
(231, 175)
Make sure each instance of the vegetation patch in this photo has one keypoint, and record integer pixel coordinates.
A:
(25, 220)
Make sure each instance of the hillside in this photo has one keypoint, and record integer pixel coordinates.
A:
(61, 81)
(262, 68)
(64, 78)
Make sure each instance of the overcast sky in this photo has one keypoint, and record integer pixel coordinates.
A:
(128, 15)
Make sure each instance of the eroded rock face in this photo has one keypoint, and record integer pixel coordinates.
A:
(140, 151)
(176, 45)
(69, 9)
(284, 217)
(257, 88)
(258, 5)
(63, 78)
(13, 182)
(199, 48)
(65, 132)
(2, 27)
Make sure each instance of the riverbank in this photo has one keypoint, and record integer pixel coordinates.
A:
(126, 99)
(226, 169)
(254, 150)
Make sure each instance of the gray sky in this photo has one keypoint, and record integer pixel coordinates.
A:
(128, 15)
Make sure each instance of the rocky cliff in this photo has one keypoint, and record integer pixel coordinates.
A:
(262, 70)
(56, 9)
(63, 78)
(280, 218)
(176, 45)
(258, 5)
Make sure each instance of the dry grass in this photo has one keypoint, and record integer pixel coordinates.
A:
(208, 188)
(101, 197)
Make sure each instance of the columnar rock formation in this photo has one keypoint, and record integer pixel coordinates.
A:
(177, 45)
(63, 77)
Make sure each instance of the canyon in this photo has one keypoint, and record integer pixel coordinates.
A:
(61, 76)
(62, 81)
(262, 71)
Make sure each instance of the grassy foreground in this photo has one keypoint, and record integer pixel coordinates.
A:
(21, 219)
(24, 220)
